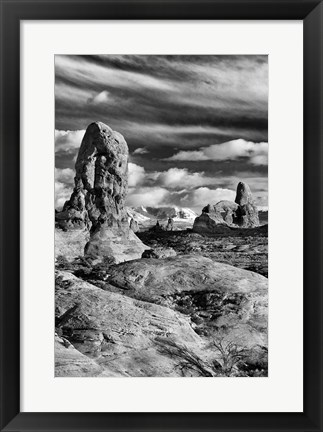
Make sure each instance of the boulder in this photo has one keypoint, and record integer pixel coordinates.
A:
(98, 198)
(210, 223)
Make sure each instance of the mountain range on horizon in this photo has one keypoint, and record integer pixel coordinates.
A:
(145, 215)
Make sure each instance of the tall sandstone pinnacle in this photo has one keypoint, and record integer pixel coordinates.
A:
(98, 198)
(247, 210)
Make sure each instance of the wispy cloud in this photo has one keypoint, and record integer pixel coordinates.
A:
(257, 153)
(190, 91)
(66, 139)
(62, 194)
(65, 175)
(100, 98)
(147, 196)
(204, 195)
(195, 125)
(141, 151)
(102, 75)
(136, 174)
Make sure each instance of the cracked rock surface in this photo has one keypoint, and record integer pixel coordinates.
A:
(185, 301)
(117, 333)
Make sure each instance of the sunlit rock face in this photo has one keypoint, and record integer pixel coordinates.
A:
(210, 223)
(227, 210)
(98, 198)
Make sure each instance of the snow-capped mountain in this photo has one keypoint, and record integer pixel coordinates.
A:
(139, 217)
(146, 214)
(185, 213)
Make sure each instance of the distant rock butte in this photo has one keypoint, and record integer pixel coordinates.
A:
(98, 199)
(170, 224)
(157, 227)
(219, 218)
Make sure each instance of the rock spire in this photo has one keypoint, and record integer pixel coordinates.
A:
(98, 198)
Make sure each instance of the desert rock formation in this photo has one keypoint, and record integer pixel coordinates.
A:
(98, 198)
(218, 219)
(170, 224)
(210, 223)
(157, 227)
(247, 210)
(172, 308)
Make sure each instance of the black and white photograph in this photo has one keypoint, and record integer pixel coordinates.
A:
(161, 216)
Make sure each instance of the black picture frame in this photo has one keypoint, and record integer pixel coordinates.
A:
(12, 12)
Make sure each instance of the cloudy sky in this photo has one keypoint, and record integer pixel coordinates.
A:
(195, 125)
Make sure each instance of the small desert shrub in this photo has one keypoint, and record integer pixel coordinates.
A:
(96, 274)
(82, 261)
(229, 354)
(187, 359)
(62, 263)
(186, 310)
(229, 361)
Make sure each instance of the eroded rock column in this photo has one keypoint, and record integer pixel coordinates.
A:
(101, 185)
(247, 211)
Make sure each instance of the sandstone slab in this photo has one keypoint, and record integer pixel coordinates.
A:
(118, 333)
(231, 300)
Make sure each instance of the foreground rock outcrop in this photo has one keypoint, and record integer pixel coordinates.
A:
(162, 317)
(219, 297)
(219, 218)
(71, 362)
(112, 334)
(98, 199)
(71, 243)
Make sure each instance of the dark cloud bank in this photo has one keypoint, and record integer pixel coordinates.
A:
(195, 125)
